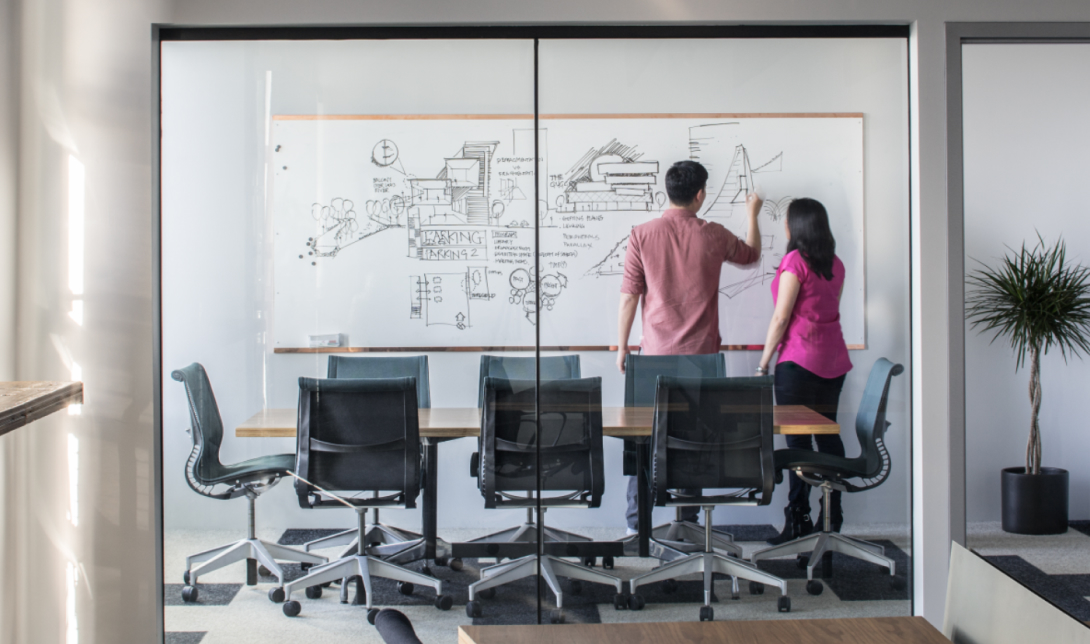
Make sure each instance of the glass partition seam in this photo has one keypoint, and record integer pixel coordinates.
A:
(537, 337)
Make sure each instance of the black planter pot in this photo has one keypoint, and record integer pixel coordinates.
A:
(1035, 503)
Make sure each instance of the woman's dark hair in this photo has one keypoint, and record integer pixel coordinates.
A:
(683, 180)
(810, 235)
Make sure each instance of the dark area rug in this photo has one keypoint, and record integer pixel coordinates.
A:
(749, 532)
(207, 594)
(185, 637)
(853, 579)
(1067, 592)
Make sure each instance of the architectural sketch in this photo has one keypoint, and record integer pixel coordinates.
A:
(384, 153)
(523, 291)
(776, 209)
(340, 227)
(763, 273)
(729, 183)
(613, 264)
(612, 177)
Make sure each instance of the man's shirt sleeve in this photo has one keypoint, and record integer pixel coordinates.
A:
(635, 282)
(736, 250)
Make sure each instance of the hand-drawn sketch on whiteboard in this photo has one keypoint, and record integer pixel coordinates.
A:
(729, 183)
(613, 264)
(611, 177)
(444, 298)
(452, 205)
(523, 291)
(341, 228)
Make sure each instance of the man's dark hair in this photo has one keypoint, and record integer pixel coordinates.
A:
(683, 180)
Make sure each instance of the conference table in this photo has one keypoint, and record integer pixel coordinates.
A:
(440, 424)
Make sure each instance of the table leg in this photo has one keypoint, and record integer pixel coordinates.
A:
(643, 499)
(431, 486)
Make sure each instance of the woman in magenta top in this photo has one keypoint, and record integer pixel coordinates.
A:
(813, 358)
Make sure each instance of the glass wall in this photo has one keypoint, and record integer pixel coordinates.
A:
(1001, 217)
(400, 265)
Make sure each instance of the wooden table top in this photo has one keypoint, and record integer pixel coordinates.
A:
(27, 401)
(461, 422)
(869, 630)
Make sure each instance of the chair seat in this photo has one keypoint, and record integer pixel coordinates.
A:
(250, 469)
(825, 465)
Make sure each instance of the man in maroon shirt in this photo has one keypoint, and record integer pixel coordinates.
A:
(673, 265)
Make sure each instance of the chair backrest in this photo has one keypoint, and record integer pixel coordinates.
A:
(385, 367)
(358, 435)
(713, 433)
(641, 373)
(203, 466)
(570, 442)
(871, 424)
(522, 368)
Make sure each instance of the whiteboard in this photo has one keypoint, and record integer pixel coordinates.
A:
(418, 232)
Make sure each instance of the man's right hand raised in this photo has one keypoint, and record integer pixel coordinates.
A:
(754, 203)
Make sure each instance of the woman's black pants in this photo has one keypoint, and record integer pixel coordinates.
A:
(797, 386)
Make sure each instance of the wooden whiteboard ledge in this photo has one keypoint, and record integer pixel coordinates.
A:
(725, 347)
(26, 402)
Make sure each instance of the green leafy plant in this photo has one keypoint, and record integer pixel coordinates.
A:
(1037, 300)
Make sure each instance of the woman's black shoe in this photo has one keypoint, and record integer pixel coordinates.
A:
(796, 524)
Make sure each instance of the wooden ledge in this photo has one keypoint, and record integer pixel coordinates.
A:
(26, 402)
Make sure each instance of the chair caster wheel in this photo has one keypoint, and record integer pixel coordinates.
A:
(802, 561)
(314, 592)
(814, 587)
(556, 617)
(189, 594)
(456, 564)
(589, 561)
(306, 566)
(372, 613)
(635, 602)
(327, 584)
(607, 563)
(440, 561)
(292, 608)
(444, 602)
(756, 588)
(619, 602)
(473, 609)
(405, 587)
(185, 577)
(707, 614)
(669, 586)
(898, 583)
(263, 571)
(576, 587)
(735, 596)
(784, 604)
(276, 595)
(487, 593)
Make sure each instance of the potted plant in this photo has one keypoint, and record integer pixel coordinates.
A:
(1038, 301)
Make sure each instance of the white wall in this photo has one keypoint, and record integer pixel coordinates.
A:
(216, 244)
(83, 89)
(1027, 129)
(9, 123)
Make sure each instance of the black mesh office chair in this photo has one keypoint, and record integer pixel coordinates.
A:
(570, 443)
(391, 543)
(357, 435)
(829, 472)
(209, 477)
(671, 540)
(524, 368)
(712, 433)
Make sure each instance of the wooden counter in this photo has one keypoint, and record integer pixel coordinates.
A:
(25, 402)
